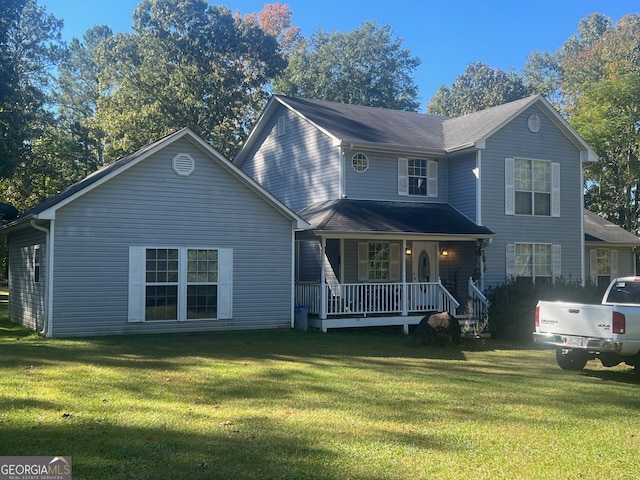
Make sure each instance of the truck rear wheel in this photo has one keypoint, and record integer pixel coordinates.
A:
(569, 359)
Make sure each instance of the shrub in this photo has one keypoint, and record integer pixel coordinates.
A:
(512, 307)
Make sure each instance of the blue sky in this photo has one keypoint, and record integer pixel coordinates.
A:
(446, 34)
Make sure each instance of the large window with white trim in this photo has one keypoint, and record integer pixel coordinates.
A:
(417, 177)
(179, 284)
(533, 262)
(532, 187)
(378, 261)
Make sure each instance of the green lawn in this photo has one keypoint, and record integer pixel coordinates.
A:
(291, 405)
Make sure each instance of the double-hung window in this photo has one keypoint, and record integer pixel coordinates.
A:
(417, 177)
(532, 187)
(533, 262)
(179, 283)
(603, 265)
(378, 262)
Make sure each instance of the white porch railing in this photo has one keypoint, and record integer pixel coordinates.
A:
(376, 298)
(478, 302)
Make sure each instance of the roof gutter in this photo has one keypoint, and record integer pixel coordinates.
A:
(48, 293)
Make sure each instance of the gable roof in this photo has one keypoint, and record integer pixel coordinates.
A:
(359, 126)
(599, 230)
(47, 209)
(345, 216)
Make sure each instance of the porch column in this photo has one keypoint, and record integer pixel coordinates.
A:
(323, 285)
(405, 291)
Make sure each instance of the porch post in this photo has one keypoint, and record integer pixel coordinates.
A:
(323, 286)
(404, 278)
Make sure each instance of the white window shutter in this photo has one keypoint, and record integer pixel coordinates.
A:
(509, 188)
(510, 260)
(432, 178)
(363, 261)
(225, 283)
(593, 266)
(555, 189)
(403, 176)
(614, 264)
(556, 260)
(137, 271)
(395, 272)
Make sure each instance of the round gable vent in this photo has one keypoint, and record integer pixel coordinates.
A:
(183, 164)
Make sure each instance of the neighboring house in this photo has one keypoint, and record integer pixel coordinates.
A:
(172, 238)
(411, 212)
(610, 250)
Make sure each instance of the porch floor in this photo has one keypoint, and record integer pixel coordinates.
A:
(368, 321)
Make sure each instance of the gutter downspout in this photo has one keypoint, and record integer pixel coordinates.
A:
(48, 293)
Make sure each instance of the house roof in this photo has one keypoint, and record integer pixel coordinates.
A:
(46, 210)
(345, 216)
(360, 126)
(599, 230)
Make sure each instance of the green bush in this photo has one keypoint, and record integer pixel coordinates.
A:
(512, 307)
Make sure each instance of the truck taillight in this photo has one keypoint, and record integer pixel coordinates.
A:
(619, 323)
(537, 316)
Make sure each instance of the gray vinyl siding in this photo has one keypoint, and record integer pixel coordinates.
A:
(515, 140)
(149, 205)
(27, 297)
(463, 185)
(380, 180)
(300, 167)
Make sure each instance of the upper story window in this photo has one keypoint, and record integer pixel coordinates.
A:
(360, 162)
(532, 187)
(417, 177)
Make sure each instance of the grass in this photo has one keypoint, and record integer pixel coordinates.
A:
(291, 405)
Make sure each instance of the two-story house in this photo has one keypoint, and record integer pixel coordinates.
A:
(412, 212)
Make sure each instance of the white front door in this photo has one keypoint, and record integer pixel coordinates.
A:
(424, 261)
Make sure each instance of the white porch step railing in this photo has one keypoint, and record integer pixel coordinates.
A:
(376, 298)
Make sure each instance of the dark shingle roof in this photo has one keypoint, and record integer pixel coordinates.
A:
(597, 229)
(371, 217)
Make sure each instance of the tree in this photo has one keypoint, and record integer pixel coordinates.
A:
(275, 20)
(365, 67)
(187, 64)
(30, 45)
(541, 74)
(479, 87)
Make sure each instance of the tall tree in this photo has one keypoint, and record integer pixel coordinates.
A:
(275, 19)
(366, 66)
(479, 87)
(187, 64)
(30, 45)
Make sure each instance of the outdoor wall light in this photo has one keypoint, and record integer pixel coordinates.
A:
(407, 251)
(444, 252)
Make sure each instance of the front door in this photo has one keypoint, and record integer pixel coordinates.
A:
(424, 261)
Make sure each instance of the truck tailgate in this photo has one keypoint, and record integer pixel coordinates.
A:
(575, 319)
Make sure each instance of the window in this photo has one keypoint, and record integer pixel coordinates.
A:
(179, 284)
(417, 177)
(603, 265)
(533, 262)
(532, 187)
(378, 262)
(36, 264)
(360, 162)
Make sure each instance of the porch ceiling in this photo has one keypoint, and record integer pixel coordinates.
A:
(345, 216)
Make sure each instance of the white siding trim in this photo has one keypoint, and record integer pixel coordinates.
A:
(556, 260)
(432, 178)
(509, 187)
(403, 176)
(225, 283)
(363, 256)
(510, 249)
(137, 257)
(555, 189)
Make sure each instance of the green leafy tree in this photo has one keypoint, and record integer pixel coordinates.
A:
(30, 46)
(479, 87)
(366, 66)
(187, 64)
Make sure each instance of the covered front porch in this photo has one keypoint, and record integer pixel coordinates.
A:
(370, 263)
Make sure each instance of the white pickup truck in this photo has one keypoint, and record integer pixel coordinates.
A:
(581, 332)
